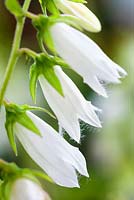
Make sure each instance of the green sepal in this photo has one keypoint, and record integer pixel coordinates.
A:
(33, 75)
(27, 107)
(25, 121)
(14, 7)
(42, 175)
(43, 24)
(67, 19)
(43, 5)
(17, 114)
(59, 61)
(52, 78)
(44, 65)
(5, 190)
(48, 40)
(9, 128)
(50, 5)
(40, 22)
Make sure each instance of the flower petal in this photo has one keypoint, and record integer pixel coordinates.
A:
(85, 57)
(73, 93)
(52, 153)
(65, 108)
(62, 108)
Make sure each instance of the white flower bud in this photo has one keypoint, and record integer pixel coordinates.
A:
(87, 19)
(26, 189)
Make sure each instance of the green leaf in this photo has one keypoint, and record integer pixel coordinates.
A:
(14, 7)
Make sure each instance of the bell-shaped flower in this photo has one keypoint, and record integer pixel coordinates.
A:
(60, 160)
(26, 189)
(85, 57)
(87, 20)
(71, 107)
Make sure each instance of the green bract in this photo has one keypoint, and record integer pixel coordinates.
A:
(14, 7)
(44, 65)
(43, 24)
(16, 113)
(49, 5)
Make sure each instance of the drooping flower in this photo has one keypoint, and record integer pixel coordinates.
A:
(71, 107)
(85, 57)
(87, 19)
(26, 189)
(52, 152)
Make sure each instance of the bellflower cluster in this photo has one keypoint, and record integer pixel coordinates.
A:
(66, 46)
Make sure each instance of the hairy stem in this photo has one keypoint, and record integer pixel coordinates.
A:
(14, 52)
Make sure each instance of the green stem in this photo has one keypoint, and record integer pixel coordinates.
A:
(28, 52)
(30, 15)
(14, 51)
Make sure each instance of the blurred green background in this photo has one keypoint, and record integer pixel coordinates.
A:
(109, 151)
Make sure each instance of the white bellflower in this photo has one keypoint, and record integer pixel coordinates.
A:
(71, 107)
(52, 152)
(85, 57)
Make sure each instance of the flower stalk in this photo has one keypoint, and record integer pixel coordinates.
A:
(28, 52)
(14, 51)
(30, 15)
